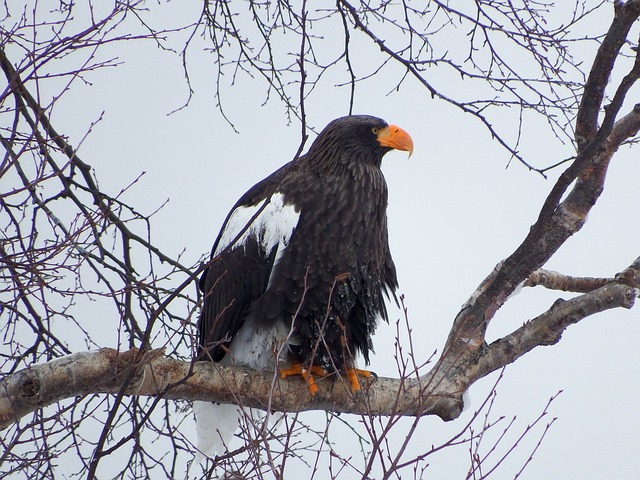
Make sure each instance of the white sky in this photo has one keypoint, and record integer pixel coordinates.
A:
(454, 212)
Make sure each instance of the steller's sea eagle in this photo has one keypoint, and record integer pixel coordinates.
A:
(301, 267)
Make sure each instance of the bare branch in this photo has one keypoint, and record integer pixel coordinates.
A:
(557, 281)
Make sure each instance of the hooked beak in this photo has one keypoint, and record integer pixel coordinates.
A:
(396, 138)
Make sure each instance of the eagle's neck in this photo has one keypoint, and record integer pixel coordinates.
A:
(343, 160)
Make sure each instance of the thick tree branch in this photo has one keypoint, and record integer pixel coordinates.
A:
(438, 392)
(626, 14)
(625, 128)
(558, 281)
(104, 372)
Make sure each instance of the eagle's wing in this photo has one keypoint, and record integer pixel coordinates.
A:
(251, 241)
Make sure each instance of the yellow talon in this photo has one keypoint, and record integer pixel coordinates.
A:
(307, 374)
(352, 375)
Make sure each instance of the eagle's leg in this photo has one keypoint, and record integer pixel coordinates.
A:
(306, 373)
(352, 375)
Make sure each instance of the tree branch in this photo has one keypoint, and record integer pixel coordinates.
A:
(103, 372)
(626, 13)
(558, 281)
(438, 392)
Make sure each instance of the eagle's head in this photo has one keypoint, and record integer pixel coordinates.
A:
(357, 138)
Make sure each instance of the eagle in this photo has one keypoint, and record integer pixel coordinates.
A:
(301, 268)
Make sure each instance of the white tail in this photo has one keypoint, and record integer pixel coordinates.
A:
(215, 425)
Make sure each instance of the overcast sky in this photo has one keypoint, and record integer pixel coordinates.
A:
(455, 210)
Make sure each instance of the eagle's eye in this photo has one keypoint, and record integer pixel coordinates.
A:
(375, 130)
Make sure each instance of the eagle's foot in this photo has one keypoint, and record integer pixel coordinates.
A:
(354, 382)
(306, 373)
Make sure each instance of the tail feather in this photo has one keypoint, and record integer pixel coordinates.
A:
(215, 425)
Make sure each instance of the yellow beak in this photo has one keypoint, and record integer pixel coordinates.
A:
(395, 137)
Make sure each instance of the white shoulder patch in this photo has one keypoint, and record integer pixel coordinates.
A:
(272, 227)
